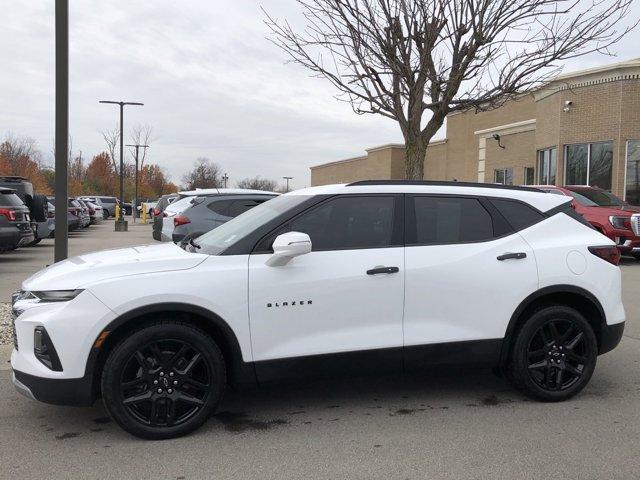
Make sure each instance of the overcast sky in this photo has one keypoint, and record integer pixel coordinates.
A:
(211, 84)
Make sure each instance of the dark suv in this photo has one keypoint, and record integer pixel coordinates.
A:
(42, 226)
(15, 222)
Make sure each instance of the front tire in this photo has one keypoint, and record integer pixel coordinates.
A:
(164, 380)
(554, 354)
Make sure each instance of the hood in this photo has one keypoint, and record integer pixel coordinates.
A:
(617, 211)
(78, 272)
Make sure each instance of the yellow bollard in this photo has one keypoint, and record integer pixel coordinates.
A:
(117, 212)
(144, 212)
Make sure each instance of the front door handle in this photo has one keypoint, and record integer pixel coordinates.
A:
(514, 256)
(379, 270)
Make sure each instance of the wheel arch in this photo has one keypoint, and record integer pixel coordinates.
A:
(238, 372)
(569, 295)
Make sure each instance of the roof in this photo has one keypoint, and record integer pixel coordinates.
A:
(541, 200)
(224, 191)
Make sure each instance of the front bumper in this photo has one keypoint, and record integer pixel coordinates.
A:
(57, 391)
(610, 337)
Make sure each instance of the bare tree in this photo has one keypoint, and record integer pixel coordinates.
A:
(205, 174)
(415, 61)
(141, 135)
(112, 139)
(257, 183)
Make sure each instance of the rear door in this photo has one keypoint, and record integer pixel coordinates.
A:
(467, 270)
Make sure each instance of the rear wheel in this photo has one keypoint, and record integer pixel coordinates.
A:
(164, 380)
(554, 354)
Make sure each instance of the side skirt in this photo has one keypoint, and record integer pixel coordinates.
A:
(380, 362)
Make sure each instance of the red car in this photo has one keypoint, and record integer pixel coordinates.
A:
(607, 213)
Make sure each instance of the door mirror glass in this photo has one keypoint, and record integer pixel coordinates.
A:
(287, 246)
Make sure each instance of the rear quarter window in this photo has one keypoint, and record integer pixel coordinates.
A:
(518, 214)
(9, 200)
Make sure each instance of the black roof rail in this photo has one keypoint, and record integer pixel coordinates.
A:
(437, 183)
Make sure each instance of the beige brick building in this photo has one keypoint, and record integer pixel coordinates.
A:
(582, 128)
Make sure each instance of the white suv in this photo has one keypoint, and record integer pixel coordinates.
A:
(377, 275)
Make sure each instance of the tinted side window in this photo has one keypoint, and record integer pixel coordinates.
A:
(441, 220)
(221, 207)
(519, 215)
(10, 200)
(241, 206)
(348, 223)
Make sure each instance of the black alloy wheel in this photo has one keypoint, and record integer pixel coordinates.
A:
(164, 383)
(557, 355)
(554, 354)
(164, 380)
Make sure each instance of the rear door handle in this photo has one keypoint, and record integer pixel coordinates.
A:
(379, 270)
(514, 256)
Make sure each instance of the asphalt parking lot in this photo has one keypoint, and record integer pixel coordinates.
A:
(447, 424)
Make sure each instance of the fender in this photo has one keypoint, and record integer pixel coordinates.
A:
(506, 344)
(239, 371)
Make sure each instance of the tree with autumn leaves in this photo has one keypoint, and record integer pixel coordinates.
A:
(19, 156)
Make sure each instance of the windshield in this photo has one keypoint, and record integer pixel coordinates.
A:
(217, 240)
(600, 198)
(9, 199)
(582, 200)
(179, 205)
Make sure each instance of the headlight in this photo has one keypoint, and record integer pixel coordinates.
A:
(56, 295)
(623, 223)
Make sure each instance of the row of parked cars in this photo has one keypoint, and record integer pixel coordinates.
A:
(26, 217)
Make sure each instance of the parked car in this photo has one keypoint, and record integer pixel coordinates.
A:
(15, 222)
(74, 220)
(51, 219)
(37, 205)
(149, 204)
(205, 213)
(188, 198)
(157, 213)
(91, 211)
(83, 212)
(325, 281)
(607, 213)
(97, 202)
(108, 205)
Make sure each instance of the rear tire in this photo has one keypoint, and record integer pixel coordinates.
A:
(554, 354)
(164, 380)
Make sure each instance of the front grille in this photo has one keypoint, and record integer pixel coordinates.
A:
(635, 223)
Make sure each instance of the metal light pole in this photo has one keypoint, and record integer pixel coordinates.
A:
(121, 224)
(287, 179)
(134, 208)
(61, 244)
(225, 178)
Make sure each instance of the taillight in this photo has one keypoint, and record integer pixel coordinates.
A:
(180, 220)
(10, 214)
(610, 253)
(156, 212)
(620, 222)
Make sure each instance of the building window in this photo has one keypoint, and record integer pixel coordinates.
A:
(503, 176)
(547, 165)
(632, 175)
(529, 175)
(589, 164)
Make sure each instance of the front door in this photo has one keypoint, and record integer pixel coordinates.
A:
(343, 301)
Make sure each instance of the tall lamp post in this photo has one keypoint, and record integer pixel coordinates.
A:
(134, 208)
(287, 179)
(121, 224)
(225, 179)
(62, 127)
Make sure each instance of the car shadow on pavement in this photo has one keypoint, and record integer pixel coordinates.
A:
(305, 403)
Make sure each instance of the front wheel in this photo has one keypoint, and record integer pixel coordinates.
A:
(164, 380)
(554, 354)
